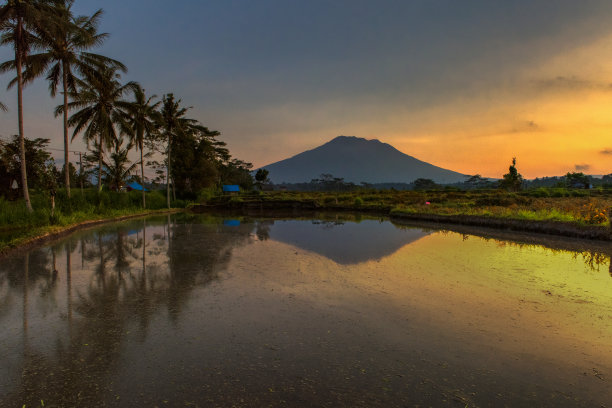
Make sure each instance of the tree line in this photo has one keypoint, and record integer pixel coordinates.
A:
(112, 117)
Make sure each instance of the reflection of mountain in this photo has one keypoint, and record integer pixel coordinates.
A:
(346, 243)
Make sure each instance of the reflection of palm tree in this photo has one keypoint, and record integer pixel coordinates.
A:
(79, 371)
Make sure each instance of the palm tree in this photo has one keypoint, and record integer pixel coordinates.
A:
(64, 44)
(142, 119)
(118, 169)
(172, 122)
(98, 97)
(18, 18)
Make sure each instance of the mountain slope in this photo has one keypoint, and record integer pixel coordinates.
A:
(357, 159)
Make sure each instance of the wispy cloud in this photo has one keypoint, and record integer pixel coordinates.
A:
(571, 83)
(582, 167)
(525, 126)
(606, 151)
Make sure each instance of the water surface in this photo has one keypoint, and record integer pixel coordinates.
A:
(202, 311)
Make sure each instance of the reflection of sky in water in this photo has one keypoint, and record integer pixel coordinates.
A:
(195, 312)
(345, 243)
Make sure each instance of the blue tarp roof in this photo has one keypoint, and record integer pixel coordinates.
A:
(231, 188)
(135, 186)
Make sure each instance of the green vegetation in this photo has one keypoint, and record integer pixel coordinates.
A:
(578, 207)
(111, 116)
(17, 224)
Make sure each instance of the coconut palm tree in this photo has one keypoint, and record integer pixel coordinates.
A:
(172, 122)
(142, 119)
(18, 20)
(118, 168)
(63, 45)
(98, 97)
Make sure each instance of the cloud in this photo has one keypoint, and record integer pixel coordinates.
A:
(607, 150)
(572, 83)
(582, 167)
(525, 126)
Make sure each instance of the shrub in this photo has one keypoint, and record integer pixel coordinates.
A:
(358, 202)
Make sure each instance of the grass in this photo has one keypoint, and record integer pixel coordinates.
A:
(580, 207)
(17, 225)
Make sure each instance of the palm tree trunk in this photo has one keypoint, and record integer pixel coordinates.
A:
(66, 159)
(168, 171)
(24, 174)
(144, 204)
(100, 166)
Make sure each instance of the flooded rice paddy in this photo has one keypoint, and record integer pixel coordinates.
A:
(179, 311)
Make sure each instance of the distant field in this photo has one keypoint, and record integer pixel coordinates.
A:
(582, 207)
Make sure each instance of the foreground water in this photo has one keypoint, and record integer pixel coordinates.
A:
(201, 311)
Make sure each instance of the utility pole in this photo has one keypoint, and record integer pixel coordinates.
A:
(81, 171)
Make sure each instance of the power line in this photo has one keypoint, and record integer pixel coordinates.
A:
(48, 148)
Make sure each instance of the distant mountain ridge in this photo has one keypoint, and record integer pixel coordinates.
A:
(358, 160)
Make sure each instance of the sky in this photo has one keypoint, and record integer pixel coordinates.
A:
(464, 85)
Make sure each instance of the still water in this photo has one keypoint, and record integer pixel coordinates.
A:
(199, 311)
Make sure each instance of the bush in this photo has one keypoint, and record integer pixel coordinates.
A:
(358, 202)
(539, 192)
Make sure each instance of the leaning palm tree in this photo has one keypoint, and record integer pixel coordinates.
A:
(63, 45)
(142, 119)
(172, 122)
(19, 19)
(97, 97)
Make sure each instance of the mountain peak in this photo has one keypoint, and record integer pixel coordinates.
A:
(357, 160)
(352, 139)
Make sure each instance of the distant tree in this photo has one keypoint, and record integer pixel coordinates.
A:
(424, 184)
(261, 178)
(577, 180)
(607, 180)
(475, 181)
(118, 168)
(195, 164)
(237, 172)
(512, 180)
(37, 163)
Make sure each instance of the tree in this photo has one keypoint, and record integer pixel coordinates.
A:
(512, 180)
(236, 171)
(38, 162)
(18, 20)
(172, 122)
(424, 184)
(99, 97)
(195, 164)
(64, 43)
(117, 168)
(261, 178)
(577, 180)
(142, 119)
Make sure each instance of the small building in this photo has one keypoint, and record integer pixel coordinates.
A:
(231, 189)
(134, 186)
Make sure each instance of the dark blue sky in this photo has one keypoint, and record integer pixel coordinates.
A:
(278, 77)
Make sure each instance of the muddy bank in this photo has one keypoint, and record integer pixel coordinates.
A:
(542, 227)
